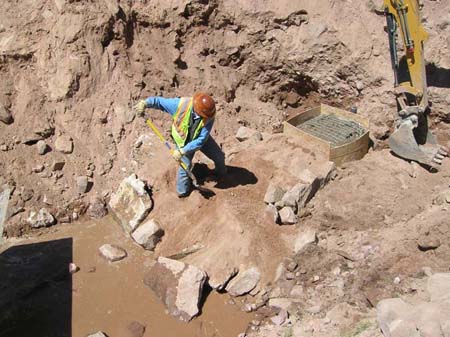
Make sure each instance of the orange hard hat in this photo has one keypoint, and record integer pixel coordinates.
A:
(204, 105)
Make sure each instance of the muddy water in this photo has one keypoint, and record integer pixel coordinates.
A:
(108, 296)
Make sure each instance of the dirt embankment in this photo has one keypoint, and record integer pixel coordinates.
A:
(71, 72)
(74, 69)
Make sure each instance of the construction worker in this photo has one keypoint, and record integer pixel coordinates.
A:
(193, 119)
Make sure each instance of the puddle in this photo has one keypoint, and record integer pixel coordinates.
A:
(109, 296)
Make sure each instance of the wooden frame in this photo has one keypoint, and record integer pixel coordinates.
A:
(354, 150)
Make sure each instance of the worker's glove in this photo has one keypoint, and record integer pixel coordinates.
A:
(177, 154)
(140, 107)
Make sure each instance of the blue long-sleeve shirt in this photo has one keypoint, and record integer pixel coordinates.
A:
(170, 106)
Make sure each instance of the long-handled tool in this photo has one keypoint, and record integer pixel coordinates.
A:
(180, 162)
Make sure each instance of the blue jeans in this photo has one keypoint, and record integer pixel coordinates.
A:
(210, 149)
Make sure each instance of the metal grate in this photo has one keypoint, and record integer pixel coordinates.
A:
(332, 129)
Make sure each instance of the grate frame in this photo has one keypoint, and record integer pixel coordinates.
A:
(333, 129)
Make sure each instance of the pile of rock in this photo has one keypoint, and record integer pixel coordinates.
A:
(285, 205)
(130, 205)
(398, 318)
(180, 286)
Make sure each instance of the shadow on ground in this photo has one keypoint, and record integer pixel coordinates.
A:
(236, 176)
(437, 76)
(36, 290)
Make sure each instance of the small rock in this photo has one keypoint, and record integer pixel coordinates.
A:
(397, 280)
(244, 282)
(148, 234)
(219, 280)
(245, 133)
(292, 98)
(280, 318)
(112, 253)
(138, 143)
(306, 237)
(297, 196)
(4, 147)
(282, 303)
(43, 218)
(5, 115)
(290, 276)
(248, 307)
(26, 194)
(287, 216)
(315, 309)
(136, 329)
(64, 144)
(73, 268)
(38, 168)
(98, 334)
(427, 271)
(273, 194)
(271, 214)
(413, 169)
(58, 165)
(359, 85)
(296, 291)
(82, 184)
(97, 208)
(292, 266)
(142, 140)
(427, 242)
(64, 219)
(41, 147)
(442, 198)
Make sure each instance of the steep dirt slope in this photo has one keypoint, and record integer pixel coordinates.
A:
(71, 71)
(74, 69)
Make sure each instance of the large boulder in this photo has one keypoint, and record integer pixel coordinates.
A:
(178, 285)
(131, 203)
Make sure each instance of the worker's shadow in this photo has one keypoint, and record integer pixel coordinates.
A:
(236, 176)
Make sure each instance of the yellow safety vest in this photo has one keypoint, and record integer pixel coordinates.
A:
(181, 121)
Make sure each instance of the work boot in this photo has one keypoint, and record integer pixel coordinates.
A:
(183, 195)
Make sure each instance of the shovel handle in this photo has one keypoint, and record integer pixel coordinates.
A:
(167, 144)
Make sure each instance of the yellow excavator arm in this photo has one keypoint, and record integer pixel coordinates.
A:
(411, 140)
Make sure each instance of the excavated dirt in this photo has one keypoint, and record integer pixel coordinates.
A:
(73, 70)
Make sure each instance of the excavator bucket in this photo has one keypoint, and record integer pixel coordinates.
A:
(423, 148)
(412, 140)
